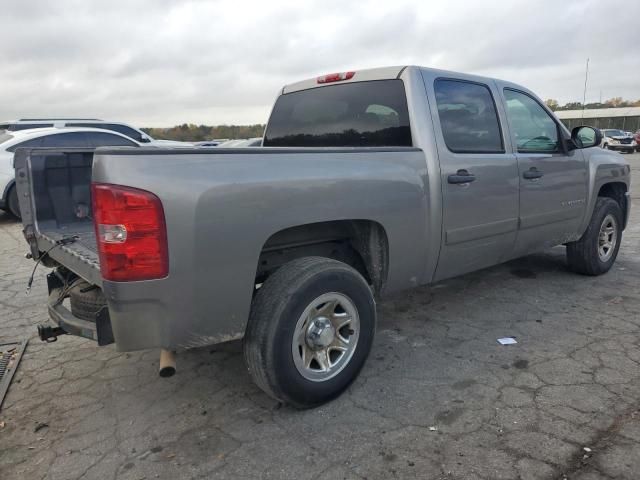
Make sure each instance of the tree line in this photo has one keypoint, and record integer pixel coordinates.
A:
(614, 102)
(189, 132)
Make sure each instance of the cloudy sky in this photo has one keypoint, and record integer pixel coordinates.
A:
(164, 62)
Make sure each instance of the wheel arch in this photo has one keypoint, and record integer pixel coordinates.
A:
(362, 244)
(616, 191)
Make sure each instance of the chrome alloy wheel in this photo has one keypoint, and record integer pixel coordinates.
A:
(325, 337)
(607, 238)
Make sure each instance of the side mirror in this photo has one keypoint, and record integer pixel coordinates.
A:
(585, 137)
(144, 139)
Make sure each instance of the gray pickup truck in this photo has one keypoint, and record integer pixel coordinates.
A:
(367, 182)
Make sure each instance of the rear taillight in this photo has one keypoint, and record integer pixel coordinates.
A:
(130, 232)
(336, 77)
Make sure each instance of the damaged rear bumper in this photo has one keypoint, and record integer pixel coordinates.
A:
(98, 330)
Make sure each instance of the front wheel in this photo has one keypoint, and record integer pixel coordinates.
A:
(597, 249)
(310, 331)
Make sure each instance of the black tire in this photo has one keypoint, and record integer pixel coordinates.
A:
(275, 311)
(13, 207)
(86, 301)
(582, 256)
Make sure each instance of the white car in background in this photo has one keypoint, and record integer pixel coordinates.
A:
(127, 130)
(47, 137)
(242, 142)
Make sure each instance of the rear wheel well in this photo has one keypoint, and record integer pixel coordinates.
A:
(361, 244)
(616, 191)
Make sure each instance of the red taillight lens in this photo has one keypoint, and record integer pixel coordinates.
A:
(336, 77)
(131, 233)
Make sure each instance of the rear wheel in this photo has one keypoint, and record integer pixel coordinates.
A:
(597, 249)
(310, 331)
(12, 202)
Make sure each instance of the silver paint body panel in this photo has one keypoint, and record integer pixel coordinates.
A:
(221, 206)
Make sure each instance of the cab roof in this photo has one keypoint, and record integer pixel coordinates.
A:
(383, 73)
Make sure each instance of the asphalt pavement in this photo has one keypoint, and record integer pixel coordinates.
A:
(439, 398)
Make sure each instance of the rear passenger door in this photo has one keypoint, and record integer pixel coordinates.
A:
(553, 179)
(479, 177)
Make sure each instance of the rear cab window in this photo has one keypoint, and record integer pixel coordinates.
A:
(468, 117)
(358, 114)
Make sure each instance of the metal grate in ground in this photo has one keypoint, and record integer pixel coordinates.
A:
(10, 356)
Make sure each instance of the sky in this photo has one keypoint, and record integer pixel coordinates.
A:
(158, 63)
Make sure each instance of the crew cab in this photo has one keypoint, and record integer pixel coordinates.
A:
(368, 182)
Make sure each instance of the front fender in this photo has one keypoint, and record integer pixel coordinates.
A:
(604, 167)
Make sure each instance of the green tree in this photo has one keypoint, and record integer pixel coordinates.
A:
(552, 104)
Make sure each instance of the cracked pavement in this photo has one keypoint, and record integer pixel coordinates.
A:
(439, 398)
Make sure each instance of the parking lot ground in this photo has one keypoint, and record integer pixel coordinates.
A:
(439, 397)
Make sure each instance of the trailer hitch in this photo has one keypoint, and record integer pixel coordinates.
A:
(49, 334)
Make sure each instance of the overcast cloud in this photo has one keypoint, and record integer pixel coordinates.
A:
(160, 63)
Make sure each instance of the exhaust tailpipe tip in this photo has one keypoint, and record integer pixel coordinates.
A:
(167, 363)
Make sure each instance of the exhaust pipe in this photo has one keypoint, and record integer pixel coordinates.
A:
(167, 363)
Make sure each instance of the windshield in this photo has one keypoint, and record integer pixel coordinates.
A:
(614, 133)
(361, 114)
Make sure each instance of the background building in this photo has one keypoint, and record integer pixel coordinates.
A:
(624, 118)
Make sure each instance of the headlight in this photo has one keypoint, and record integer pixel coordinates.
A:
(614, 141)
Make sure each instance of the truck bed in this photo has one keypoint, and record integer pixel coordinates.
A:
(57, 206)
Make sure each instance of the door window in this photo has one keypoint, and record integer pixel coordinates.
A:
(73, 139)
(468, 117)
(116, 127)
(99, 139)
(34, 142)
(533, 127)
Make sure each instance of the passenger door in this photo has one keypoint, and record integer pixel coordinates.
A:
(553, 179)
(479, 177)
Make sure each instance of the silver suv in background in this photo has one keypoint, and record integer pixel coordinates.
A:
(614, 139)
(123, 128)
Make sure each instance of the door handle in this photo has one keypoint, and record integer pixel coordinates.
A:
(532, 174)
(461, 176)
